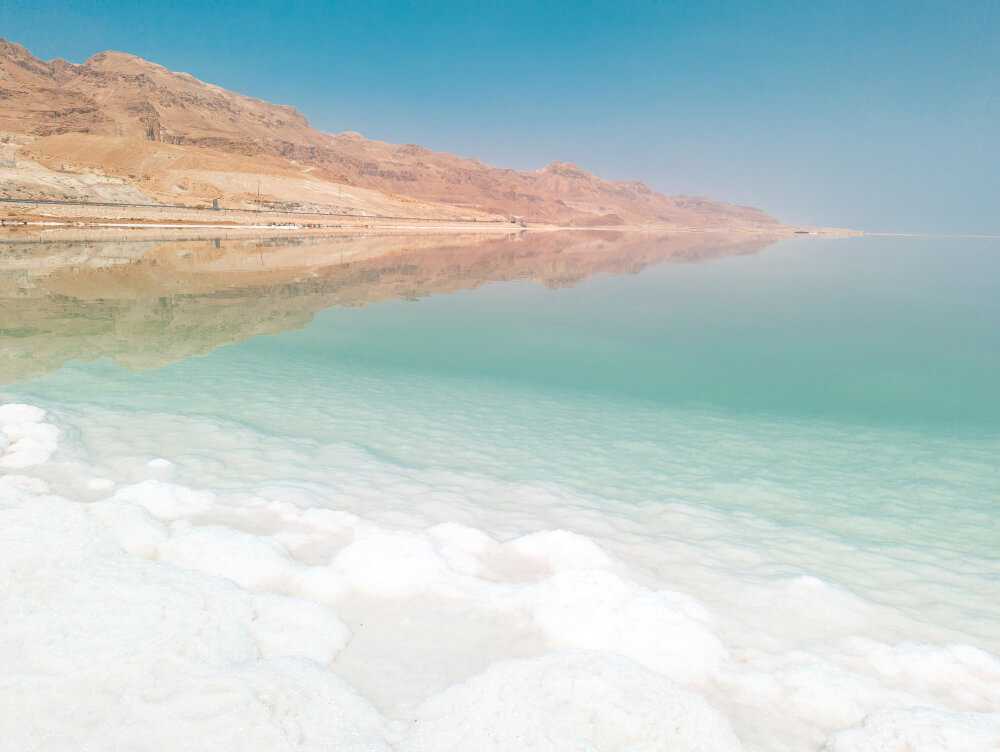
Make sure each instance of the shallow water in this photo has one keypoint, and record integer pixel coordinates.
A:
(580, 491)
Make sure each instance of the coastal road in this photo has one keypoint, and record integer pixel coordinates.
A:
(103, 204)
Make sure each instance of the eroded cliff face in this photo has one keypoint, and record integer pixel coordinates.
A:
(148, 303)
(115, 94)
(175, 137)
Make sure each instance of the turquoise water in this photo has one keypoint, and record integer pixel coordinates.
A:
(819, 408)
(886, 332)
(887, 348)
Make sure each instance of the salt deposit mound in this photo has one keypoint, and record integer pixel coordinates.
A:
(920, 730)
(569, 701)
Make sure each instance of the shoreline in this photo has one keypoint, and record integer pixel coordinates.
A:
(440, 227)
(42, 214)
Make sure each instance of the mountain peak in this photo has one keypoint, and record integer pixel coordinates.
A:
(566, 170)
(18, 54)
(13, 49)
(113, 61)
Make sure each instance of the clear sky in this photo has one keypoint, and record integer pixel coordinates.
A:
(875, 114)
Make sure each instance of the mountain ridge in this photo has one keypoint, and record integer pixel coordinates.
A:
(69, 116)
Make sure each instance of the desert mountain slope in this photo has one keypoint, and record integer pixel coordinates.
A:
(176, 138)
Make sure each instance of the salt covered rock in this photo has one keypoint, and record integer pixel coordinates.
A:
(285, 626)
(560, 551)
(168, 501)
(392, 564)
(253, 562)
(27, 439)
(137, 531)
(105, 650)
(664, 631)
(921, 730)
(568, 702)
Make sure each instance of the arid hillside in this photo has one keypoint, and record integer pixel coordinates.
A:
(118, 125)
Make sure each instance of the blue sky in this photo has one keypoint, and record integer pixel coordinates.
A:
(880, 115)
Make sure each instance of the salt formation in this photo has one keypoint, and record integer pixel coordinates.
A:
(25, 438)
(569, 701)
(364, 612)
(920, 730)
(104, 650)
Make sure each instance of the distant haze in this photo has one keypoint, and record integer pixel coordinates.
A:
(878, 118)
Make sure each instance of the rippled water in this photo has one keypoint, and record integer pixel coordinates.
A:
(575, 491)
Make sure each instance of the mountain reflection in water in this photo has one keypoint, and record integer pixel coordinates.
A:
(146, 302)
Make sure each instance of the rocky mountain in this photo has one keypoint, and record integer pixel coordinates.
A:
(177, 139)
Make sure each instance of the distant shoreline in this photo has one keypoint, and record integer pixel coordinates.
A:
(44, 213)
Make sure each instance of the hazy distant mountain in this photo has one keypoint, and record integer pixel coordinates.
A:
(173, 138)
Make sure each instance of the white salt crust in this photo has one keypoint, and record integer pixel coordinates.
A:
(390, 608)
(25, 438)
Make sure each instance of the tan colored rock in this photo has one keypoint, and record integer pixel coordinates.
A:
(179, 140)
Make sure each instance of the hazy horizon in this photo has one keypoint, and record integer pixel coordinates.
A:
(871, 118)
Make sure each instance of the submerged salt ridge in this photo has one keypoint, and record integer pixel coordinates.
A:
(314, 595)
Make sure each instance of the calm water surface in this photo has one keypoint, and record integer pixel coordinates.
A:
(727, 414)
(889, 348)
